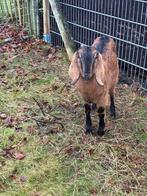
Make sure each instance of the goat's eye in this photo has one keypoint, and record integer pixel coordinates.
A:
(79, 63)
(95, 55)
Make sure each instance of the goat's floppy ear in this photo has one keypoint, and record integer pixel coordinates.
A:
(99, 71)
(74, 70)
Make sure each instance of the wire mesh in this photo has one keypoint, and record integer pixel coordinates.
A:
(123, 20)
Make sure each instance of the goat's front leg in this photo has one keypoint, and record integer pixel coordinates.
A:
(101, 129)
(88, 125)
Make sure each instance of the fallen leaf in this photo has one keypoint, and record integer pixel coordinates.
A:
(31, 129)
(20, 71)
(1, 50)
(3, 116)
(34, 64)
(136, 159)
(12, 177)
(10, 121)
(145, 104)
(125, 85)
(126, 186)
(93, 192)
(23, 178)
(7, 152)
(90, 151)
(8, 39)
(2, 66)
(109, 126)
(11, 138)
(19, 155)
(50, 56)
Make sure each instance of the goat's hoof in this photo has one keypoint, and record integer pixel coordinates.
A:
(88, 129)
(100, 132)
(112, 113)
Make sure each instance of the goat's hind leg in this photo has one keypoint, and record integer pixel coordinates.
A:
(101, 113)
(112, 104)
(88, 125)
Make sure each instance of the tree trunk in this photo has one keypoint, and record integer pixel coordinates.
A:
(62, 26)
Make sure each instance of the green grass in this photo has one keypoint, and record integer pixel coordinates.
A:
(66, 162)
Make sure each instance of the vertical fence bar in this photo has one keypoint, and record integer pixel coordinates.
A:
(139, 40)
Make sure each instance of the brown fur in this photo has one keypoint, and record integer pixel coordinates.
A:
(106, 71)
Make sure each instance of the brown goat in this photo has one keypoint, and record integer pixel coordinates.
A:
(94, 71)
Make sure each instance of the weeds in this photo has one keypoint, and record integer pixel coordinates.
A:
(46, 159)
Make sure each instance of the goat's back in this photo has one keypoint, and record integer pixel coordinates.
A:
(107, 48)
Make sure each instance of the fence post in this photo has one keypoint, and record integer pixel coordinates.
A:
(28, 17)
(15, 11)
(67, 39)
(36, 18)
(1, 7)
(19, 12)
(11, 11)
(46, 22)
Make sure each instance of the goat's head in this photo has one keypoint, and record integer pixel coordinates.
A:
(86, 63)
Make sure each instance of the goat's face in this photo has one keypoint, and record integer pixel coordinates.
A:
(86, 63)
(86, 57)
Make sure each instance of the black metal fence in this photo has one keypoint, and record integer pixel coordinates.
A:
(123, 20)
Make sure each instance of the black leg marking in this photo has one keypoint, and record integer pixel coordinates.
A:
(88, 125)
(94, 107)
(112, 106)
(101, 129)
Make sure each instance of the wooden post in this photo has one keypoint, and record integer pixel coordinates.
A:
(19, 12)
(2, 11)
(28, 17)
(6, 8)
(15, 11)
(34, 17)
(32, 11)
(23, 13)
(67, 39)
(11, 11)
(37, 17)
(46, 22)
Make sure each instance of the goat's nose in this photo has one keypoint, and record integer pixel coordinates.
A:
(86, 77)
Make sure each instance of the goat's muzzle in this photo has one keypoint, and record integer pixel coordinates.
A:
(86, 76)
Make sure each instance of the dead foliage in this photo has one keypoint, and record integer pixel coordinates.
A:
(42, 137)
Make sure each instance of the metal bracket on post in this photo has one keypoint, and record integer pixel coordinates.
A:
(47, 38)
